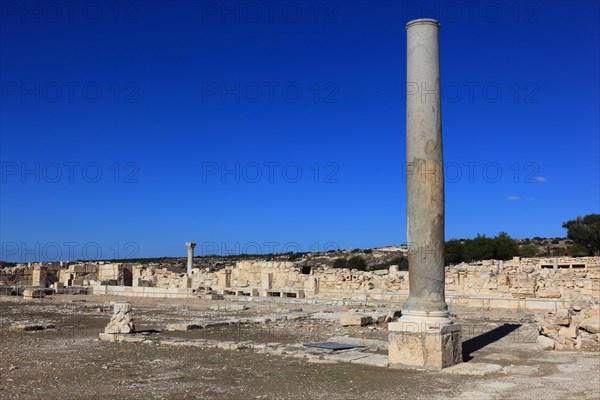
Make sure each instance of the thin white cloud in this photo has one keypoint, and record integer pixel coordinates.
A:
(512, 198)
(540, 179)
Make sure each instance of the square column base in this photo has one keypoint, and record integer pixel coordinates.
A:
(419, 346)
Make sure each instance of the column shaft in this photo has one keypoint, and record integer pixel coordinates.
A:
(425, 172)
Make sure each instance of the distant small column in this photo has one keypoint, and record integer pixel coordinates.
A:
(190, 249)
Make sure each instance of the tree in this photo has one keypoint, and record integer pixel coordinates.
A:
(528, 250)
(357, 262)
(340, 263)
(505, 247)
(480, 248)
(577, 250)
(453, 252)
(585, 232)
(401, 262)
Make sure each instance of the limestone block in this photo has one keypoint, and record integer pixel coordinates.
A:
(545, 343)
(568, 331)
(559, 318)
(33, 294)
(592, 325)
(355, 320)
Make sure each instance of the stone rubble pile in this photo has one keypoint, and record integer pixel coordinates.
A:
(570, 329)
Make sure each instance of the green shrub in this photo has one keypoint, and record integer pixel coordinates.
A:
(357, 262)
(528, 251)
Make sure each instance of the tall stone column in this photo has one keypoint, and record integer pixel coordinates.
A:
(190, 261)
(424, 337)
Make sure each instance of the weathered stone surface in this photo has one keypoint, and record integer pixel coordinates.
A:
(183, 326)
(33, 294)
(374, 360)
(568, 331)
(520, 369)
(562, 318)
(122, 320)
(355, 320)
(592, 324)
(545, 343)
(429, 348)
(345, 356)
(476, 369)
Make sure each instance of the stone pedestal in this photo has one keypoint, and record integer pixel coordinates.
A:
(424, 346)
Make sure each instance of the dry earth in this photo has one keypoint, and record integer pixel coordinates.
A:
(70, 362)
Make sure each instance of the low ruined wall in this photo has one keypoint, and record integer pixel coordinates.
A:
(130, 291)
(535, 283)
(530, 283)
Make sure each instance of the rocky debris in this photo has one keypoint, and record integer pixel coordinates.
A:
(229, 307)
(592, 324)
(571, 329)
(121, 320)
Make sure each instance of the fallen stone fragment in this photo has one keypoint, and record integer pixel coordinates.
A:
(592, 325)
(355, 320)
(475, 369)
(568, 331)
(184, 327)
(545, 343)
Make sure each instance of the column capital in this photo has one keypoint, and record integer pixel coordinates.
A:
(423, 21)
(190, 245)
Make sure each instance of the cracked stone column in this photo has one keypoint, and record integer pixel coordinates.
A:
(190, 262)
(424, 337)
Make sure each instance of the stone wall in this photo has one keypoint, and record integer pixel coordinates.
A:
(539, 282)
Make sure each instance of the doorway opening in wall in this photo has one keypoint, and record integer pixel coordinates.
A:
(127, 277)
(306, 270)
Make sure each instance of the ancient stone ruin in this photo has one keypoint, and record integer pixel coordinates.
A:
(121, 320)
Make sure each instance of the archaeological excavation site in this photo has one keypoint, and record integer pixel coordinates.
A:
(405, 321)
(297, 329)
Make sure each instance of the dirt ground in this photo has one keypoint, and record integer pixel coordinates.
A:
(70, 362)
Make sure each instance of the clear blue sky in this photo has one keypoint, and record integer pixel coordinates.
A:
(128, 130)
